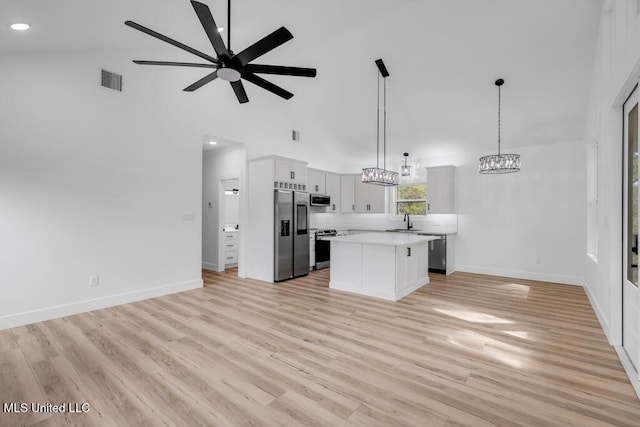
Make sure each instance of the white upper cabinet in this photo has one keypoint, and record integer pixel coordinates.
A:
(369, 198)
(347, 193)
(332, 182)
(291, 172)
(316, 181)
(440, 189)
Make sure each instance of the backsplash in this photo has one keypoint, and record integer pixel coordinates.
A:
(434, 223)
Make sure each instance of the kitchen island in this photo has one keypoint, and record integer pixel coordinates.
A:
(382, 265)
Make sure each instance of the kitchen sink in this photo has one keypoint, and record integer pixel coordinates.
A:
(403, 230)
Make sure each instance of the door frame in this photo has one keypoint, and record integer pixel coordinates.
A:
(624, 219)
(220, 226)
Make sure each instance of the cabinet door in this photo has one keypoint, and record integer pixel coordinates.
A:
(316, 181)
(284, 171)
(440, 189)
(369, 198)
(347, 193)
(362, 196)
(333, 190)
(300, 174)
(411, 265)
(377, 200)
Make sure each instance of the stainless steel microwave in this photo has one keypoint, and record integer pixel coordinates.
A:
(319, 200)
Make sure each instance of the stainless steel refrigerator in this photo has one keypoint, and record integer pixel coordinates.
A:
(291, 234)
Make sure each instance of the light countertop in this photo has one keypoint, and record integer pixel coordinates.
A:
(386, 239)
(414, 231)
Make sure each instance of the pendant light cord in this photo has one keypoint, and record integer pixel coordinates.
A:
(384, 126)
(228, 25)
(378, 127)
(498, 120)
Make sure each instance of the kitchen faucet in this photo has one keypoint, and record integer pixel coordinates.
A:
(407, 219)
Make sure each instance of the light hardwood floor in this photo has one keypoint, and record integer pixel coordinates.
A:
(464, 350)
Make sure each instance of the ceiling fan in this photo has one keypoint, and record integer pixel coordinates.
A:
(228, 65)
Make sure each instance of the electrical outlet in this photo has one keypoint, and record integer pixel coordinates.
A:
(94, 280)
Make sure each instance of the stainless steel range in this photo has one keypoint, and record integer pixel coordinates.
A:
(323, 248)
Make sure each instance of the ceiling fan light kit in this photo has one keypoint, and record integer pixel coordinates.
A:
(228, 65)
(376, 175)
(499, 163)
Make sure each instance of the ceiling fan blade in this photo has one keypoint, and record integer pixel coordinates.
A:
(264, 45)
(203, 81)
(284, 71)
(170, 41)
(241, 94)
(259, 81)
(210, 27)
(177, 64)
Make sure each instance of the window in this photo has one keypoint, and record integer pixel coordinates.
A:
(412, 199)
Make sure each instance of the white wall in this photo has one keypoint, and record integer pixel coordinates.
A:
(616, 70)
(529, 224)
(92, 182)
(217, 165)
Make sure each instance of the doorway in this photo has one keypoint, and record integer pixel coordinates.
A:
(631, 196)
(229, 223)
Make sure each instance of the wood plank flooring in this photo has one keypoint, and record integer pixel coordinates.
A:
(464, 350)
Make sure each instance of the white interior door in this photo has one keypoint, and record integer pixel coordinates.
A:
(630, 292)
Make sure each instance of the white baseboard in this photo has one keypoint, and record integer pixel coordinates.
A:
(527, 275)
(377, 293)
(629, 369)
(49, 313)
(596, 308)
(209, 266)
(413, 287)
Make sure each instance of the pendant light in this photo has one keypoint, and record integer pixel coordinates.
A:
(499, 163)
(406, 169)
(377, 175)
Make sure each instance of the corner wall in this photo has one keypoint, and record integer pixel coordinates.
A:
(92, 182)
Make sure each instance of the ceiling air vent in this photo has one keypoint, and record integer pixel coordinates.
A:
(112, 80)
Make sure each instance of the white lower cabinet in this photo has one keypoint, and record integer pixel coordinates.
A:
(230, 249)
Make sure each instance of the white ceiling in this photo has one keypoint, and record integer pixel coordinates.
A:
(443, 57)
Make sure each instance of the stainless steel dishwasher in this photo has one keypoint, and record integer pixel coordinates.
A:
(438, 255)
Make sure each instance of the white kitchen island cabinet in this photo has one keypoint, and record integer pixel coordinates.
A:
(382, 265)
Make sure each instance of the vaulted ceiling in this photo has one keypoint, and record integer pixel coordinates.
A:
(443, 57)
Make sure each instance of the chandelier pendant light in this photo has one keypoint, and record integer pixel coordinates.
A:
(406, 169)
(377, 175)
(499, 163)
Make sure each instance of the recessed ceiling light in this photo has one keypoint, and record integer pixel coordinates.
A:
(20, 26)
(213, 143)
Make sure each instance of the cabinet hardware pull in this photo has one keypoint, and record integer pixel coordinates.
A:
(333, 207)
(408, 251)
(428, 206)
(353, 207)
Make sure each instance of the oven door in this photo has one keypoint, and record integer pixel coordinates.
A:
(323, 253)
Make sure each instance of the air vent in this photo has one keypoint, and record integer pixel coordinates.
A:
(111, 80)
